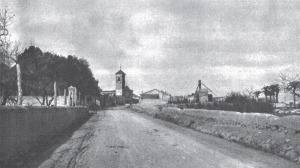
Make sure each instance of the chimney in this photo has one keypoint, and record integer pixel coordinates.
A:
(199, 84)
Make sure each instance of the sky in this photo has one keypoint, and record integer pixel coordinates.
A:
(231, 45)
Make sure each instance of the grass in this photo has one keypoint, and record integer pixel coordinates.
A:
(266, 132)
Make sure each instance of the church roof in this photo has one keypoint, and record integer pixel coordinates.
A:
(156, 91)
(120, 72)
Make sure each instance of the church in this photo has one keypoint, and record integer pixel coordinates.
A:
(121, 95)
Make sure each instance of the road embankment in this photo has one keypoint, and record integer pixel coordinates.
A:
(270, 133)
(23, 128)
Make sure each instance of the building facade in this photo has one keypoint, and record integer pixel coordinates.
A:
(123, 93)
(120, 82)
(156, 94)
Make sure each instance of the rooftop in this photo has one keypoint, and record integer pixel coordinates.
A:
(120, 72)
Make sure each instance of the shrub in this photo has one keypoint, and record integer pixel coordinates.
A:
(160, 107)
(93, 107)
(181, 106)
(236, 101)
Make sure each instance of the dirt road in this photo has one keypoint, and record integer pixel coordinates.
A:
(121, 138)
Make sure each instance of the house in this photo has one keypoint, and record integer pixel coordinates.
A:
(135, 98)
(191, 98)
(156, 94)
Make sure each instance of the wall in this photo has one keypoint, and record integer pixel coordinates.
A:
(150, 96)
(32, 101)
(120, 100)
(21, 128)
(107, 100)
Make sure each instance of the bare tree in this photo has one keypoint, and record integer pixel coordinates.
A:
(15, 57)
(291, 83)
(250, 92)
(5, 21)
(55, 93)
(256, 94)
(10, 52)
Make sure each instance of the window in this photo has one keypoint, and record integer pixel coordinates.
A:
(118, 79)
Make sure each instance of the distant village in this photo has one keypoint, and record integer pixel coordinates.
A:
(124, 95)
(202, 97)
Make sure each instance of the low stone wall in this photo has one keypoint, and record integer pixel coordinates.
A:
(278, 135)
(22, 128)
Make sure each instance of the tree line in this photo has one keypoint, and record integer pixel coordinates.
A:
(33, 72)
(271, 93)
(44, 74)
(250, 100)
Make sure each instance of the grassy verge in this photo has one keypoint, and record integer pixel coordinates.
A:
(273, 134)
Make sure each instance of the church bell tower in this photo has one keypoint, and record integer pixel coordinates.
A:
(120, 82)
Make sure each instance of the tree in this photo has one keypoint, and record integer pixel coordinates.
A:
(234, 97)
(48, 74)
(266, 92)
(10, 52)
(256, 94)
(294, 88)
(15, 53)
(250, 92)
(36, 74)
(275, 89)
(7, 83)
(5, 21)
(291, 83)
(271, 93)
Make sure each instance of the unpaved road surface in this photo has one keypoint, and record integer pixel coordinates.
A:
(121, 138)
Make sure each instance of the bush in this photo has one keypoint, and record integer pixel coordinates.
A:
(93, 107)
(181, 106)
(236, 101)
(160, 107)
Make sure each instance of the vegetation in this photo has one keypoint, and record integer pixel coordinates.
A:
(9, 52)
(43, 74)
(244, 103)
(291, 83)
(42, 71)
(7, 83)
(234, 101)
(272, 91)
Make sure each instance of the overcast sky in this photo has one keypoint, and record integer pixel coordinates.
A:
(230, 45)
